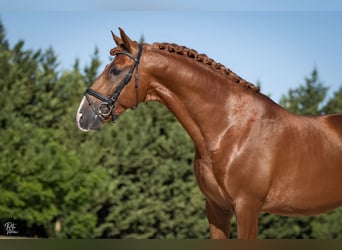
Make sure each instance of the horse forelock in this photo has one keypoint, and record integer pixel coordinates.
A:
(203, 58)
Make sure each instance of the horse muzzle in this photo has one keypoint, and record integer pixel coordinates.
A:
(87, 119)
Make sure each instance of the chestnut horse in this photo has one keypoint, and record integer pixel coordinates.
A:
(251, 154)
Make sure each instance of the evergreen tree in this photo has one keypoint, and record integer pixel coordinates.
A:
(131, 180)
(152, 190)
(308, 98)
(91, 71)
(43, 181)
(334, 105)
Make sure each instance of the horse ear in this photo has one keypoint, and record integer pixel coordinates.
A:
(126, 40)
(116, 39)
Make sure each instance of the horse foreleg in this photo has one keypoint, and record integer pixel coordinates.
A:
(247, 220)
(219, 221)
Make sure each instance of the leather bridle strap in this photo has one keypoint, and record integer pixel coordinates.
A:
(107, 105)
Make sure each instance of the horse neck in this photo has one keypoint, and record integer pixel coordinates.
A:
(205, 101)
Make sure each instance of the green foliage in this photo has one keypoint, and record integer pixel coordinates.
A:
(334, 105)
(152, 192)
(306, 99)
(133, 179)
(328, 226)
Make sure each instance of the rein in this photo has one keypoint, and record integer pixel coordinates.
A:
(107, 105)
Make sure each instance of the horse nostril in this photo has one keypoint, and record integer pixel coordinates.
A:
(79, 118)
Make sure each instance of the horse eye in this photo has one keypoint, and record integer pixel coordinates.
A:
(115, 71)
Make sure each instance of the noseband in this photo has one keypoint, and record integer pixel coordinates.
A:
(107, 105)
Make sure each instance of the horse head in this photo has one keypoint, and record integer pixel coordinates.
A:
(116, 89)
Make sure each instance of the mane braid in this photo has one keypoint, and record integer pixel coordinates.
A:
(203, 58)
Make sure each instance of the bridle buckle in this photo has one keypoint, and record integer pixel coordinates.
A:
(105, 109)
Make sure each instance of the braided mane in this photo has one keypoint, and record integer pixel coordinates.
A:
(203, 58)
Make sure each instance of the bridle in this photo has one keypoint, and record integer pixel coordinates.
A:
(107, 105)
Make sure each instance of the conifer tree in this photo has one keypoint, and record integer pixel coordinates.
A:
(308, 98)
(334, 105)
